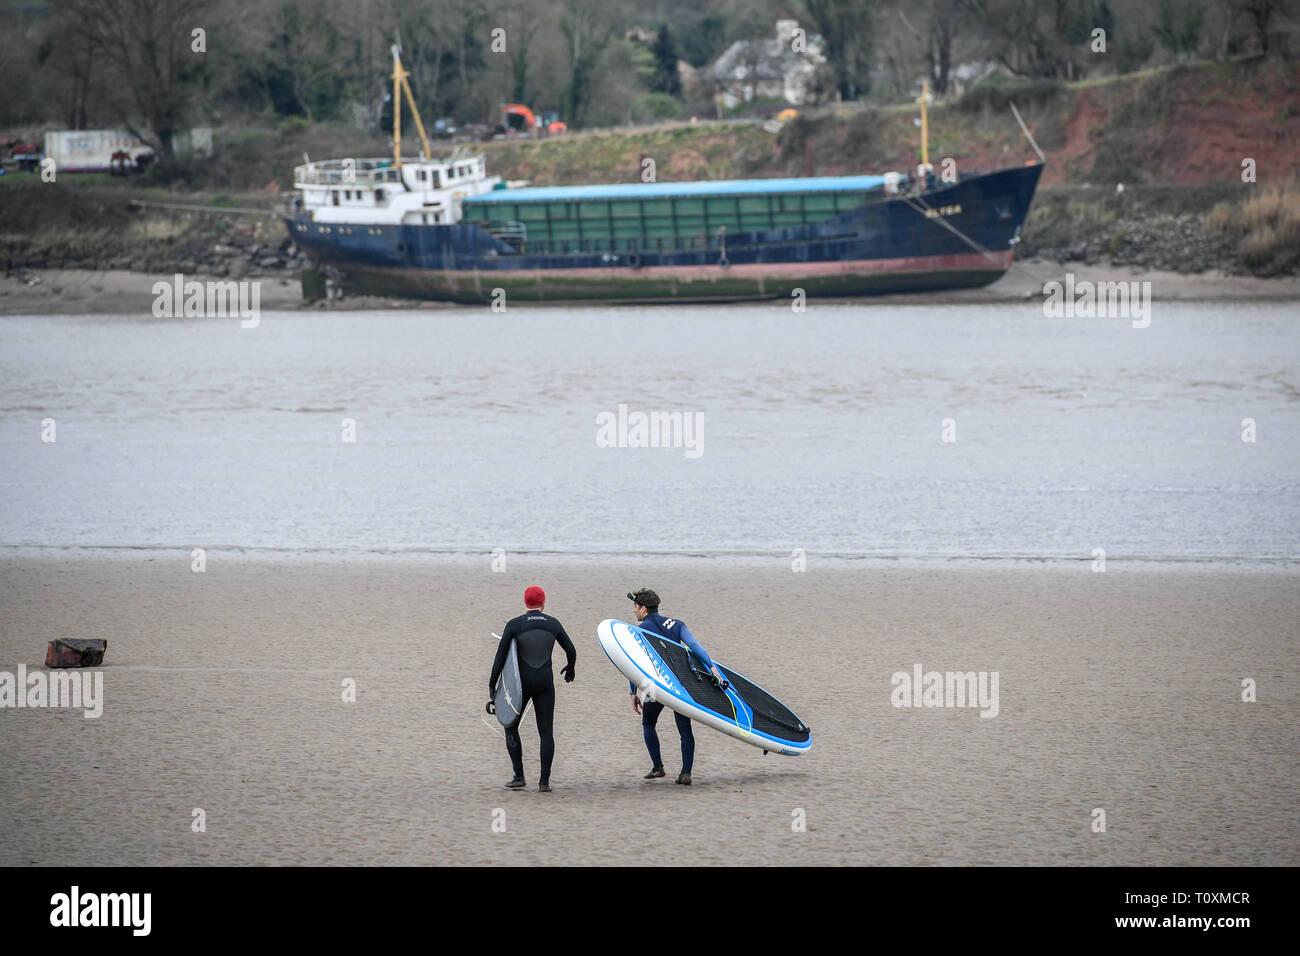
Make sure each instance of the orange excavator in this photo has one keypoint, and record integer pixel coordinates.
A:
(518, 120)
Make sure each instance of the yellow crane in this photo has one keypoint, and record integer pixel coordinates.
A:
(400, 84)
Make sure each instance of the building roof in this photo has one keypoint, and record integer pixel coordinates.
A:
(764, 59)
(737, 187)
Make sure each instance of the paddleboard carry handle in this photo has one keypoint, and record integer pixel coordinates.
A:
(706, 675)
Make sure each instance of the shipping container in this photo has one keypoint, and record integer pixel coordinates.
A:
(92, 150)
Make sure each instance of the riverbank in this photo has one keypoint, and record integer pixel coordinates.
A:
(122, 292)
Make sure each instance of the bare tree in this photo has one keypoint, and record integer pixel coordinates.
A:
(521, 26)
(1259, 14)
(149, 46)
(1178, 27)
(845, 28)
(944, 19)
(587, 29)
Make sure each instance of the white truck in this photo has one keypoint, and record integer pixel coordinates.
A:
(96, 150)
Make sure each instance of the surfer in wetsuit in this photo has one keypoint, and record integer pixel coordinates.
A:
(646, 606)
(536, 634)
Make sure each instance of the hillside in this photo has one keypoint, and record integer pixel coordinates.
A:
(1187, 125)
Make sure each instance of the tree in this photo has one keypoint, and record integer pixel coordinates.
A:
(666, 78)
(1045, 38)
(430, 38)
(1178, 26)
(307, 48)
(522, 34)
(73, 50)
(703, 40)
(845, 29)
(943, 22)
(587, 30)
(1259, 15)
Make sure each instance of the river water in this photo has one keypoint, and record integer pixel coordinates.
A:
(896, 432)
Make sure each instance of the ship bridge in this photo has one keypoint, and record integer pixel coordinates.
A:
(388, 192)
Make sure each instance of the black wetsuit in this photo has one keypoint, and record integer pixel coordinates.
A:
(536, 634)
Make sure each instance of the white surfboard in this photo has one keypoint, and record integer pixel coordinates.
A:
(509, 691)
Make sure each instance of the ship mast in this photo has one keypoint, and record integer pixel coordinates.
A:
(399, 84)
(925, 126)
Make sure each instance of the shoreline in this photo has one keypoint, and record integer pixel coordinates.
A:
(756, 559)
(55, 292)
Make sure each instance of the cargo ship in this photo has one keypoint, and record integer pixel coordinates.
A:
(442, 228)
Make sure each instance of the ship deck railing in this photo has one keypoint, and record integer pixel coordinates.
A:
(616, 246)
(336, 174)
(526, 246)
(657, 244)
(514, 233)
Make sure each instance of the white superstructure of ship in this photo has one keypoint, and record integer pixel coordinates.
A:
(391, 191)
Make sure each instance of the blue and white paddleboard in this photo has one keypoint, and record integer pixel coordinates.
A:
(666, 671)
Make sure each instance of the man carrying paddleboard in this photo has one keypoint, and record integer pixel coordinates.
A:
(646, 607)
(535, 634)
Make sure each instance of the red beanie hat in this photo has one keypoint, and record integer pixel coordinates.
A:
(534, 597)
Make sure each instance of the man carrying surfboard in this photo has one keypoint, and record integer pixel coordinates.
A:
(646, 607)
(535, 635)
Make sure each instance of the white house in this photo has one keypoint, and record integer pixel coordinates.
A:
(783, 66)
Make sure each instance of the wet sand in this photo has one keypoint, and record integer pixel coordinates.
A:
(83, 292)
(223, 691)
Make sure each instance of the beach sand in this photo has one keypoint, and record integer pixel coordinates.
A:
(223, 691)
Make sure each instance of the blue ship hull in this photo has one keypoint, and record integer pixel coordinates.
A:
(951, 236)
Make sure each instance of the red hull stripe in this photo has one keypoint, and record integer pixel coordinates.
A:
(972, 261)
